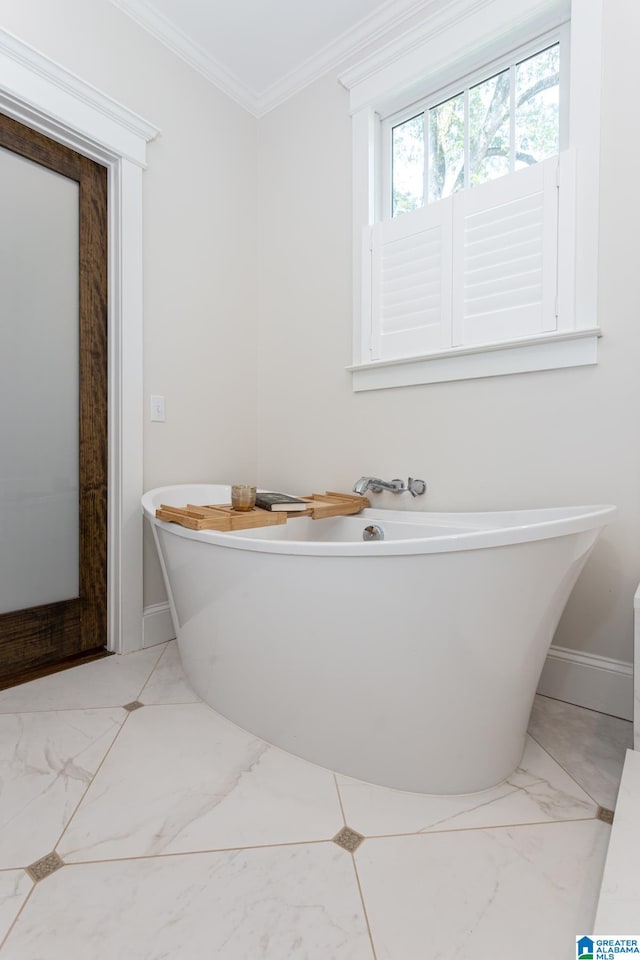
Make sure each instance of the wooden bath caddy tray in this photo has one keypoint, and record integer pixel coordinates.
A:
(221, 516)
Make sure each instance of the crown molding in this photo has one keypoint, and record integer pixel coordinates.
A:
(372, 29)
(391, 15)
(188, 50)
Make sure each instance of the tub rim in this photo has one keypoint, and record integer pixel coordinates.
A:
(510, 527)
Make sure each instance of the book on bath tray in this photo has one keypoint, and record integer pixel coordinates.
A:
(280, 501)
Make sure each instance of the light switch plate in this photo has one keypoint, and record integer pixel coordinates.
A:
(158, 409)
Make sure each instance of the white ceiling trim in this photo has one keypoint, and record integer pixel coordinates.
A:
(366, 32)
(370, 30)
(172, 37)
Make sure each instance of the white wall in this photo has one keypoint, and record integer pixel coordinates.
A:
(199, 240)
(537, 439)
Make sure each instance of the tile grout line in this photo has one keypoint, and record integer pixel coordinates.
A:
(496, 826)
(335, 780)
(502, 826)
(355, 870)
(364, 906)
(21, 713)
(298, 843)
(91, 782)
(191, 853)
(190, 703)
(153, 670)
(599, 713)
(568, 773)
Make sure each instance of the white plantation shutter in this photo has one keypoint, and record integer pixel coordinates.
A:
(505, 256)
(478, 268)
(410, 275)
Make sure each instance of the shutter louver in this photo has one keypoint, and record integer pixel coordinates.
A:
(505, 257)
(411, 282)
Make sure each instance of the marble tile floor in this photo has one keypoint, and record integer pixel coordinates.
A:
(137, 824)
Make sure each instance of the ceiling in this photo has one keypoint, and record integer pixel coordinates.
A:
(260, 52)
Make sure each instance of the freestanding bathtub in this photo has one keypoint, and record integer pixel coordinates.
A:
(410, 662)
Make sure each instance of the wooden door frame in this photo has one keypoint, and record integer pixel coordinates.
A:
(43, 95)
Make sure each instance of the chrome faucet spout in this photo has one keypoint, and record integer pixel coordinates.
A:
(365, 483)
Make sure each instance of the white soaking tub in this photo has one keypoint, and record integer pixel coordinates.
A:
(410, 662)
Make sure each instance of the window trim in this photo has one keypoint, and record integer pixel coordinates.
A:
(465, 36)
(574, 348)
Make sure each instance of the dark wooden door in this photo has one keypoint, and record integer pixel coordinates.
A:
(48, 636)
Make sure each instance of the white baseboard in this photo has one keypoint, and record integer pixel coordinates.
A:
(157, 625)
(598, 683)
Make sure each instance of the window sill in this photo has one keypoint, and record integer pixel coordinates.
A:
(575, 348)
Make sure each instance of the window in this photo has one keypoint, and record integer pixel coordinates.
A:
(489, 128)
(466, 252)
(465, 198)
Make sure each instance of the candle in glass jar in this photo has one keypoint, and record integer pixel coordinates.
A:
(243, 497)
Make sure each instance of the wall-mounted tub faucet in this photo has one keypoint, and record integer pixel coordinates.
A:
(414, 487)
